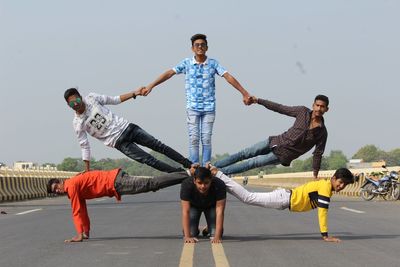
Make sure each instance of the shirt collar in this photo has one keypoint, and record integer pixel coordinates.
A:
(194, 62)
(322, 120)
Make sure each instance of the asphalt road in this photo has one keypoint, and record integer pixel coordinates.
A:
(145, 230)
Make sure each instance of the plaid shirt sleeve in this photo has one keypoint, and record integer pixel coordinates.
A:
(282, 109)
(317, 154)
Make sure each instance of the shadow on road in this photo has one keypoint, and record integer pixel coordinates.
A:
(229, 239)
(305, 236)
(112, 238)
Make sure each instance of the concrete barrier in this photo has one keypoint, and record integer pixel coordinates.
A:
(18, 185)
(292, 180)
(5, 192)
(28, 184)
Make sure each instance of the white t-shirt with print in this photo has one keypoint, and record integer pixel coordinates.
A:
(99, 122)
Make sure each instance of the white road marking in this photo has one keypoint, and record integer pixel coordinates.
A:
(28, 211)
(101, 199)
(352, 210)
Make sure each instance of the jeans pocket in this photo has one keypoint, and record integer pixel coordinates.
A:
(192, 117)
(209, 118)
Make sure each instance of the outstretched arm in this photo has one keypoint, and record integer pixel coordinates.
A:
(291, 111)
(235, 83)
(186, 222)
(162, 78)
(87, 165)
(324, 199)
(84, 144)
(132, 94)
(219, 209)
(317, 155)
(323, 224)
(79, 213)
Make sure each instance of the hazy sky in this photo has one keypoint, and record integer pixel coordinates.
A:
(285, 51)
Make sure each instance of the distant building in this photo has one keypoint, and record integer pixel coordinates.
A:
(22, 165)
(48, 167)
(360, 164)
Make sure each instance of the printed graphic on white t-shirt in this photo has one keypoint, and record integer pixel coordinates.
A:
(98, 121)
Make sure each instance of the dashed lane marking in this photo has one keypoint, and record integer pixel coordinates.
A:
(28, 211)
(352, 210)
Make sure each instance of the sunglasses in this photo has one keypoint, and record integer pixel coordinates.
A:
(203, 45)
(71, 103)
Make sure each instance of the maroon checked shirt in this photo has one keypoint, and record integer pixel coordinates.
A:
(299, 138)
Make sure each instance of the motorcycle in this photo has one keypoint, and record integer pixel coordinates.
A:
(388, 186)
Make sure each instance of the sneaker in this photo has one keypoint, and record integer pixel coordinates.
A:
(204, 232)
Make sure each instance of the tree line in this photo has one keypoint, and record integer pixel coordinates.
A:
(336, 159)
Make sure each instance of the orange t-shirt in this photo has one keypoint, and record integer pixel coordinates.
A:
(88, 185)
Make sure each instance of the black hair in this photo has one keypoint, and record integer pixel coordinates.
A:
(197, 37)
(322, 98)
(344, 174)
(50, 183)
(202, 173)
(71, 91)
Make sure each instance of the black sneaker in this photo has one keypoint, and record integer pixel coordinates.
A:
(205, 232)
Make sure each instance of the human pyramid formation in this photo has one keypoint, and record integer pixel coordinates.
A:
(204, 185)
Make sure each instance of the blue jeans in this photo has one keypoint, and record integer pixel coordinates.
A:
(211, 218)
(255, 156)
(128, 142)
(200, 125)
